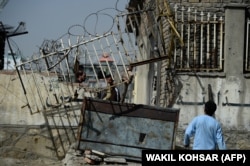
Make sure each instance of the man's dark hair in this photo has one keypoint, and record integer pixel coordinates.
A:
(79, 73)
(100, 74)
(210, 108)
(108, 76)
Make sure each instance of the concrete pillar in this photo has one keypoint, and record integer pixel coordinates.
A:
(234, 39)
(144, 77)
(141, 90)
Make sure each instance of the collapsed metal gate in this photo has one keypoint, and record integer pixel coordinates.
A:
(125, 129)
(48, 78)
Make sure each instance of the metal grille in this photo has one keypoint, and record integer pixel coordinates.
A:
(202, 34)
(53, 67)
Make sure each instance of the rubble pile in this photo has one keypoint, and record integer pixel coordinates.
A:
(75, 157)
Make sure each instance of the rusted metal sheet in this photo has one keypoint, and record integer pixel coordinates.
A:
(125, 129)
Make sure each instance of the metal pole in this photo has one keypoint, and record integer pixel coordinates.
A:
(182, 29)
(208, 59)
(14, 59)
(111, 53)
(92, 64)
(97, 58)
(175, 49)
(214, 43)
(117, 47)
(134, 31)
(110, 71)
(130, 41)
(201, 40)
(188, 45)
(247, 46)
(195, 30)
(221, 41)
(38, 90)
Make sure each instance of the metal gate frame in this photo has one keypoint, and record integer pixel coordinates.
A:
(125, 129)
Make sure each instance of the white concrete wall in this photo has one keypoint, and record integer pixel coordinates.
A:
(232, 88)
(13, 101)
(232, 84)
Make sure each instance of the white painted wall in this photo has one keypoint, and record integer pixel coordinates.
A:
(231, 117)
(13, 101)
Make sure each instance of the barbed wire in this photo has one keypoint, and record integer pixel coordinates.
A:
(84, 32)
(95, 17)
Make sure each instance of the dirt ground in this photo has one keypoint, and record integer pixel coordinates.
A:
(28, 147)
(22, 146)
(28, 162)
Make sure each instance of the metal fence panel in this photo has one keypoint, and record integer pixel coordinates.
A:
(126, 129)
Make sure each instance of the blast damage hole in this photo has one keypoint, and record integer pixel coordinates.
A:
(142, 137)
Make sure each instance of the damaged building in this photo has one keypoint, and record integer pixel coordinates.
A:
(196, 51)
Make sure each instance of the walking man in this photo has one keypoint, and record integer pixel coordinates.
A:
(206, 130)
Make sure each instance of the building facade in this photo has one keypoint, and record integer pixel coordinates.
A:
(203, 45)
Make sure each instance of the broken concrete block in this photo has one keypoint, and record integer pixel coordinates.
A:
(89, 161)
(115, 160)
(93, 157)
(99, 153)
(86, 152)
